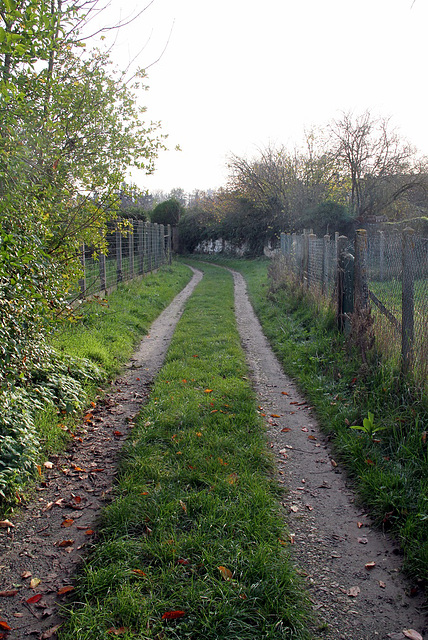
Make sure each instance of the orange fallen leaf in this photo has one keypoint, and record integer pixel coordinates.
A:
(198, 433)
(39, 469)
(67, 522)
(232, 478)
(64, 590)
(285, 393)
(285, 430)
(118, 433)
(226, 573)
(208, 391)
(89, 532)
(5, 626)
(65, 543)
(138, 572)
(183, 506)
(311, 438)
(173, 615)
(360, 524)
(35, 598)
(275, 415)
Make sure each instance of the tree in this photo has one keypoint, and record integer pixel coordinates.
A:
(70, 128)
(168, 212)
(380, 165)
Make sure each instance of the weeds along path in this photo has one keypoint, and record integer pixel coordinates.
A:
(352, 571)
(40, 554)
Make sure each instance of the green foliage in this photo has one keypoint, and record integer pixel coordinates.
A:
(167, 212)
(369, 426)
(328, 217)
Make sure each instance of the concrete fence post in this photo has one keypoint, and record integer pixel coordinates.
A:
(325, 264)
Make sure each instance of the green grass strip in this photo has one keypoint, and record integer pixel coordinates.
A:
(194, 527)
(108, 330)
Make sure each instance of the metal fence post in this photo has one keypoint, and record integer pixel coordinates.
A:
(103, 278)
(131, 251)
(407, 304)
(82, 280)
(119, 270)
(345, 289)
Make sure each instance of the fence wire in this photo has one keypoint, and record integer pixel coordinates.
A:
(132, 250)
(396, 275)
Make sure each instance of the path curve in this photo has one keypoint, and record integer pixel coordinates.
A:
(56, 529)
(330, 548)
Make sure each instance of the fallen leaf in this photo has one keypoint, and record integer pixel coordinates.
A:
(65, 543)
(182, 561)
(5, 524)
(89, 532)
(34, 582)
(35, 598)
(284, 393)
(292, 537)
(353, 592)
(285, 430)
(412, 634)
(370, 565)
(183, 506)
(232, 478)
(138, 572)
(305, 429)
(65, 589)
(173, 615)
(360, 524)
(26, 574)
(5, 626)
(198, 433)
(225, 573)
(48, 465)
(118, 433)
(39, 469)
(362, 540)
(275, 415)
(368, 461)
(117, 632)
(67, 522)
(8, 594)
(382, 584)
(208, 391)
(333, 463)
(294, 508)
(311, 438)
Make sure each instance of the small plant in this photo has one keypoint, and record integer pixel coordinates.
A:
(368, 426)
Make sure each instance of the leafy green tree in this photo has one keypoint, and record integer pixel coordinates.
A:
(168, 212)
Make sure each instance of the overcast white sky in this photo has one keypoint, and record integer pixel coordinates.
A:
(239, 74)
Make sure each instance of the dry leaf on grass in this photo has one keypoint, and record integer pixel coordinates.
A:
(173, 615)
(412, 634)
(225, 573)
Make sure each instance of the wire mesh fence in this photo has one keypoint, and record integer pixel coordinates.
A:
(386, 272)
(132, 250)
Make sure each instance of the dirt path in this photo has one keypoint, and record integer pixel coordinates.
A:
(54, 531)
(333, 539)
(40, 554)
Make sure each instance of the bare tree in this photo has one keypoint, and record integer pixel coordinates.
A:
(379, 164)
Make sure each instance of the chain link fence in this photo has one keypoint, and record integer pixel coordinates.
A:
(132, 250)
(384, 272)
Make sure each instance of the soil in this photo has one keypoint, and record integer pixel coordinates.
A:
(332, 538)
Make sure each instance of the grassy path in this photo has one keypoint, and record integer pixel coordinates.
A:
(192, 546)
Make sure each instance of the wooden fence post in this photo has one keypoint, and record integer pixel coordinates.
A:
(169, 243)
(311, 267)
(305, 258)
(325, 264)
(407, 303)
(381, 256)
(361, 295)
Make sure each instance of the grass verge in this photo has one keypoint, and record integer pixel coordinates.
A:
(193, 545)
(37, 414)
(389, 469)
